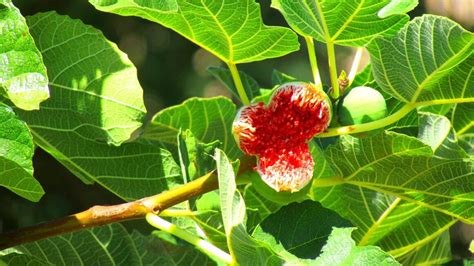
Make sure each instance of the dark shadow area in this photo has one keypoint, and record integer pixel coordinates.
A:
(65, 194)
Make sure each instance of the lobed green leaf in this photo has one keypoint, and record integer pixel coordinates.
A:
(95, 92)
(342, 250)
(388, 185)
(293, 226)
(107, 245)
(435, 252)
(429, 61)
(349, 23)
(95, 100)
(22, 71)
(462, 119)
(243, 248)
(208, 120)
(397, 7)
(209, 219)
(232, 30)
(16, 153)
(195, 157)
(435, 131)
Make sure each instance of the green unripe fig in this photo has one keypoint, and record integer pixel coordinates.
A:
(361, 105)
(284, 197)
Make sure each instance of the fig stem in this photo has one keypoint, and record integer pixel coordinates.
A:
(355, 64)
(332, 132)
(238, 83)
(332, 69)
(198, 242)
(312, 60)
(408, 107)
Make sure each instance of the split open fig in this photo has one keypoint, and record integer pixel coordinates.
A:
(278, 133)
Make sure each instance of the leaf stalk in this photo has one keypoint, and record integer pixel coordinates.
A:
(332, 132)
(198, 242)
(408, 107)
(332, 70)
(313, 60)
(238, 83)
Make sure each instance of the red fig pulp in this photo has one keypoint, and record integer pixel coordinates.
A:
(278, 133)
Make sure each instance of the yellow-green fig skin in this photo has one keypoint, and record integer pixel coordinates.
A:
(361, 105)
(284, 197)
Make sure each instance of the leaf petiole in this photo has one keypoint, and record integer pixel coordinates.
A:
(199, 243)
(238, 83)
(312, 60)
(331, 132)
(332, 69)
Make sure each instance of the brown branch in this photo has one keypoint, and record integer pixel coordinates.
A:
(101, 215)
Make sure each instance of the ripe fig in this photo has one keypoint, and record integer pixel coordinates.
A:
(278, 133)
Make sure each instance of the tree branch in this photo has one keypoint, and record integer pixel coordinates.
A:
(102, 215)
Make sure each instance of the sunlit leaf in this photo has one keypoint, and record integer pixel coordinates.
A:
(397, 7)
(363, 77)
(22, 72)
(467, 143)
(435, 130)
(351, 23)
(208, 119)
(258, 207)
(95, 99)
(435, 252)
(230, 29)
(463, 118)
(430, 60)
(107, 245)
(388, 185)
(342, 250)
(294, 227)
(209, 219)
(16, 152)
(195, 157)
(95, 92)
(243, 248)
